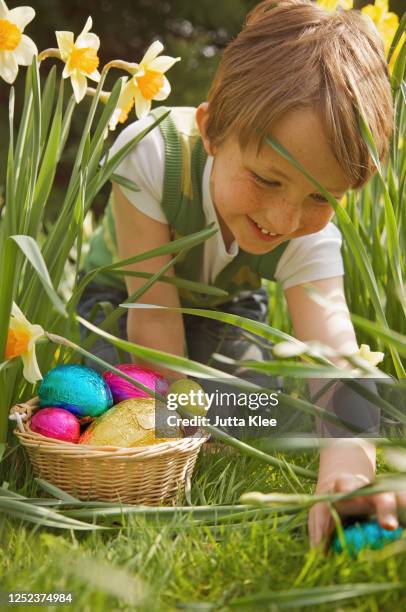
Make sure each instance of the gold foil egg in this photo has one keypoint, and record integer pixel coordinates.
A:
(129, 423)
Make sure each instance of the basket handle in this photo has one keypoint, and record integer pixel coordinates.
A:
(22, 412)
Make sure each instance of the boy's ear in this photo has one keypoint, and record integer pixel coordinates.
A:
(202, 114)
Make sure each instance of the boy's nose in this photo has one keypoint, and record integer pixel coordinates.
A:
(285, 219)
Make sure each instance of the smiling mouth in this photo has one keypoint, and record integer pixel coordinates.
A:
(263, 232)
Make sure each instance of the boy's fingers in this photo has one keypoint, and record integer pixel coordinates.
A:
(385, 504)
(354, 505)
(319, 523)
(401, 500)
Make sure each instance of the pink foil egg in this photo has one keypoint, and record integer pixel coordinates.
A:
(56, 423)
(122, 389)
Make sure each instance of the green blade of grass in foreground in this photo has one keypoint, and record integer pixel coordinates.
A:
(295, 598)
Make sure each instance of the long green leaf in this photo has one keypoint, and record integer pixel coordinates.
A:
(32, 252)
(49, 164)
(296, 598)
(47, 103)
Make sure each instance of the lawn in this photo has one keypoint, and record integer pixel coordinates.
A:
(150, 563)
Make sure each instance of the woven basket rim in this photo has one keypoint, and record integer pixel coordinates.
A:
(33, 439)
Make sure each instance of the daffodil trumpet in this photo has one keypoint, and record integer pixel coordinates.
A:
(21, 339)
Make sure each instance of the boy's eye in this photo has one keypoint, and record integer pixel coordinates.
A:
(319, 198)
(264, 182)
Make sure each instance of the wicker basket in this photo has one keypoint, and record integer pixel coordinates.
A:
(143, 475)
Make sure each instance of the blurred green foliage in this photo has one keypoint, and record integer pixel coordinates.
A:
(197, 32)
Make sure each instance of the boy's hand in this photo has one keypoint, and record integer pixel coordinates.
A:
(345, 466)
(384, 505)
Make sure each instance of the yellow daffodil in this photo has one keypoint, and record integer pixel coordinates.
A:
(21, 339)
(386, 23)
(333, 5)
(15, 47)
(148, 82)
(372, 357)
(80, 57)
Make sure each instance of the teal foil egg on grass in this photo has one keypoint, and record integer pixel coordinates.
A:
(368, 535)
(76, 388)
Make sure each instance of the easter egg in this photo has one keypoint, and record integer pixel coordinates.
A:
(188, 394)
(76, 388)
(122, 389)
(129, 423)
(360, 536)
(56, 423)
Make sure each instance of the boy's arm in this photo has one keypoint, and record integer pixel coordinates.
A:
(136, 234)
(342, 468)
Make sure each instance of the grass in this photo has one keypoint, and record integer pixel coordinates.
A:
(176, 564)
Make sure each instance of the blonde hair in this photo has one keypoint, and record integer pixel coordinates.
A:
(293, 54)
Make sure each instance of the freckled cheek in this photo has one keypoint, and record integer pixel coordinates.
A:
(247, 197)
(317, 219)
(239, 197)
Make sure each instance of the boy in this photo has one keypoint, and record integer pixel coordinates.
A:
(295, 72)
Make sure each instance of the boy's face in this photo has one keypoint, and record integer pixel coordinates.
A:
(250, 190)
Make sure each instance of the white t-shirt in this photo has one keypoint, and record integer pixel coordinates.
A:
(307, 258)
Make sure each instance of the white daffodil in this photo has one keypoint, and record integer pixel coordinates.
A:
(147, 83)
(80, 57)
(15, 47)
(288, 349)
(21, 339)
(396, 457)
(372, 357)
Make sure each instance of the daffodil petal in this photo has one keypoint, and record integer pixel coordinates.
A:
(87, 28)
(127, 93)
(164, 92)
(88, 40)
(17, 312)
(36, 332)
(392, 21)
(65, 43)
(163, 63)
(288, 349)
(67, 72)
(8, 66)
(95, 76)
(79, 85)
(142, 106)
(152, 52)
(25, 51)
(3, 10)
(127, 96)
(114, 119)
(31, 371)
(21, 16)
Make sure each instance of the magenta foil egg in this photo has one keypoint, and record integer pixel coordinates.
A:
(122, 389)
(56, 423)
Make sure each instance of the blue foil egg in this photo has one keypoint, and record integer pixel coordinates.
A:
(76, 388)
(366, 535)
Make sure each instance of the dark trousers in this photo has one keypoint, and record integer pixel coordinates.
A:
(203, 336)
